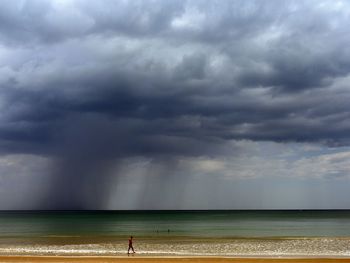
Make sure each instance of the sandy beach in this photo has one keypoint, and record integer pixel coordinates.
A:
(133, 259)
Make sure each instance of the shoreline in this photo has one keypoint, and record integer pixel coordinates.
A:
(184, 247)
(170, 259)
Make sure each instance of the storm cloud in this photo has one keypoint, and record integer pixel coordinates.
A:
(92, 83)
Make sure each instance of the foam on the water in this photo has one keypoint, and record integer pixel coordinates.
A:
(279, 247)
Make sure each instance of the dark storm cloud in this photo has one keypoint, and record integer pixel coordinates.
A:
(92, 82)
(294, 68)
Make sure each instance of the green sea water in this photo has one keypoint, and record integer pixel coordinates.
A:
(185, 232)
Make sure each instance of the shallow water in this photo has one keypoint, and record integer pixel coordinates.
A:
(225, 233)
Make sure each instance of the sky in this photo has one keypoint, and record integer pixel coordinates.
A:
(153, 104)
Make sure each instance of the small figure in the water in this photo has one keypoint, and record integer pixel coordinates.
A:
(130, 245)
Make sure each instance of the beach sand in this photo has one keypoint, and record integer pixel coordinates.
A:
(133, 259)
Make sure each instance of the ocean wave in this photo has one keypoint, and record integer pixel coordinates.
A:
(219, 247)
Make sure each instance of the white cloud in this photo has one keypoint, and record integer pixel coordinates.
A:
(324, 166)
(266, 160)
(191, 19)
(21, 165)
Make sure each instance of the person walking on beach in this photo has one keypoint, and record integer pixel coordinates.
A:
(130, 245)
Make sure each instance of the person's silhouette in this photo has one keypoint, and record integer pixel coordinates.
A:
(130, 245)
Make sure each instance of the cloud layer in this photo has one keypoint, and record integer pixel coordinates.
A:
(91, 83)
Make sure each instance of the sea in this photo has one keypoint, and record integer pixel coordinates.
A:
(228, 233)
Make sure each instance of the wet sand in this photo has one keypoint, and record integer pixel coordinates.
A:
(134, 259)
